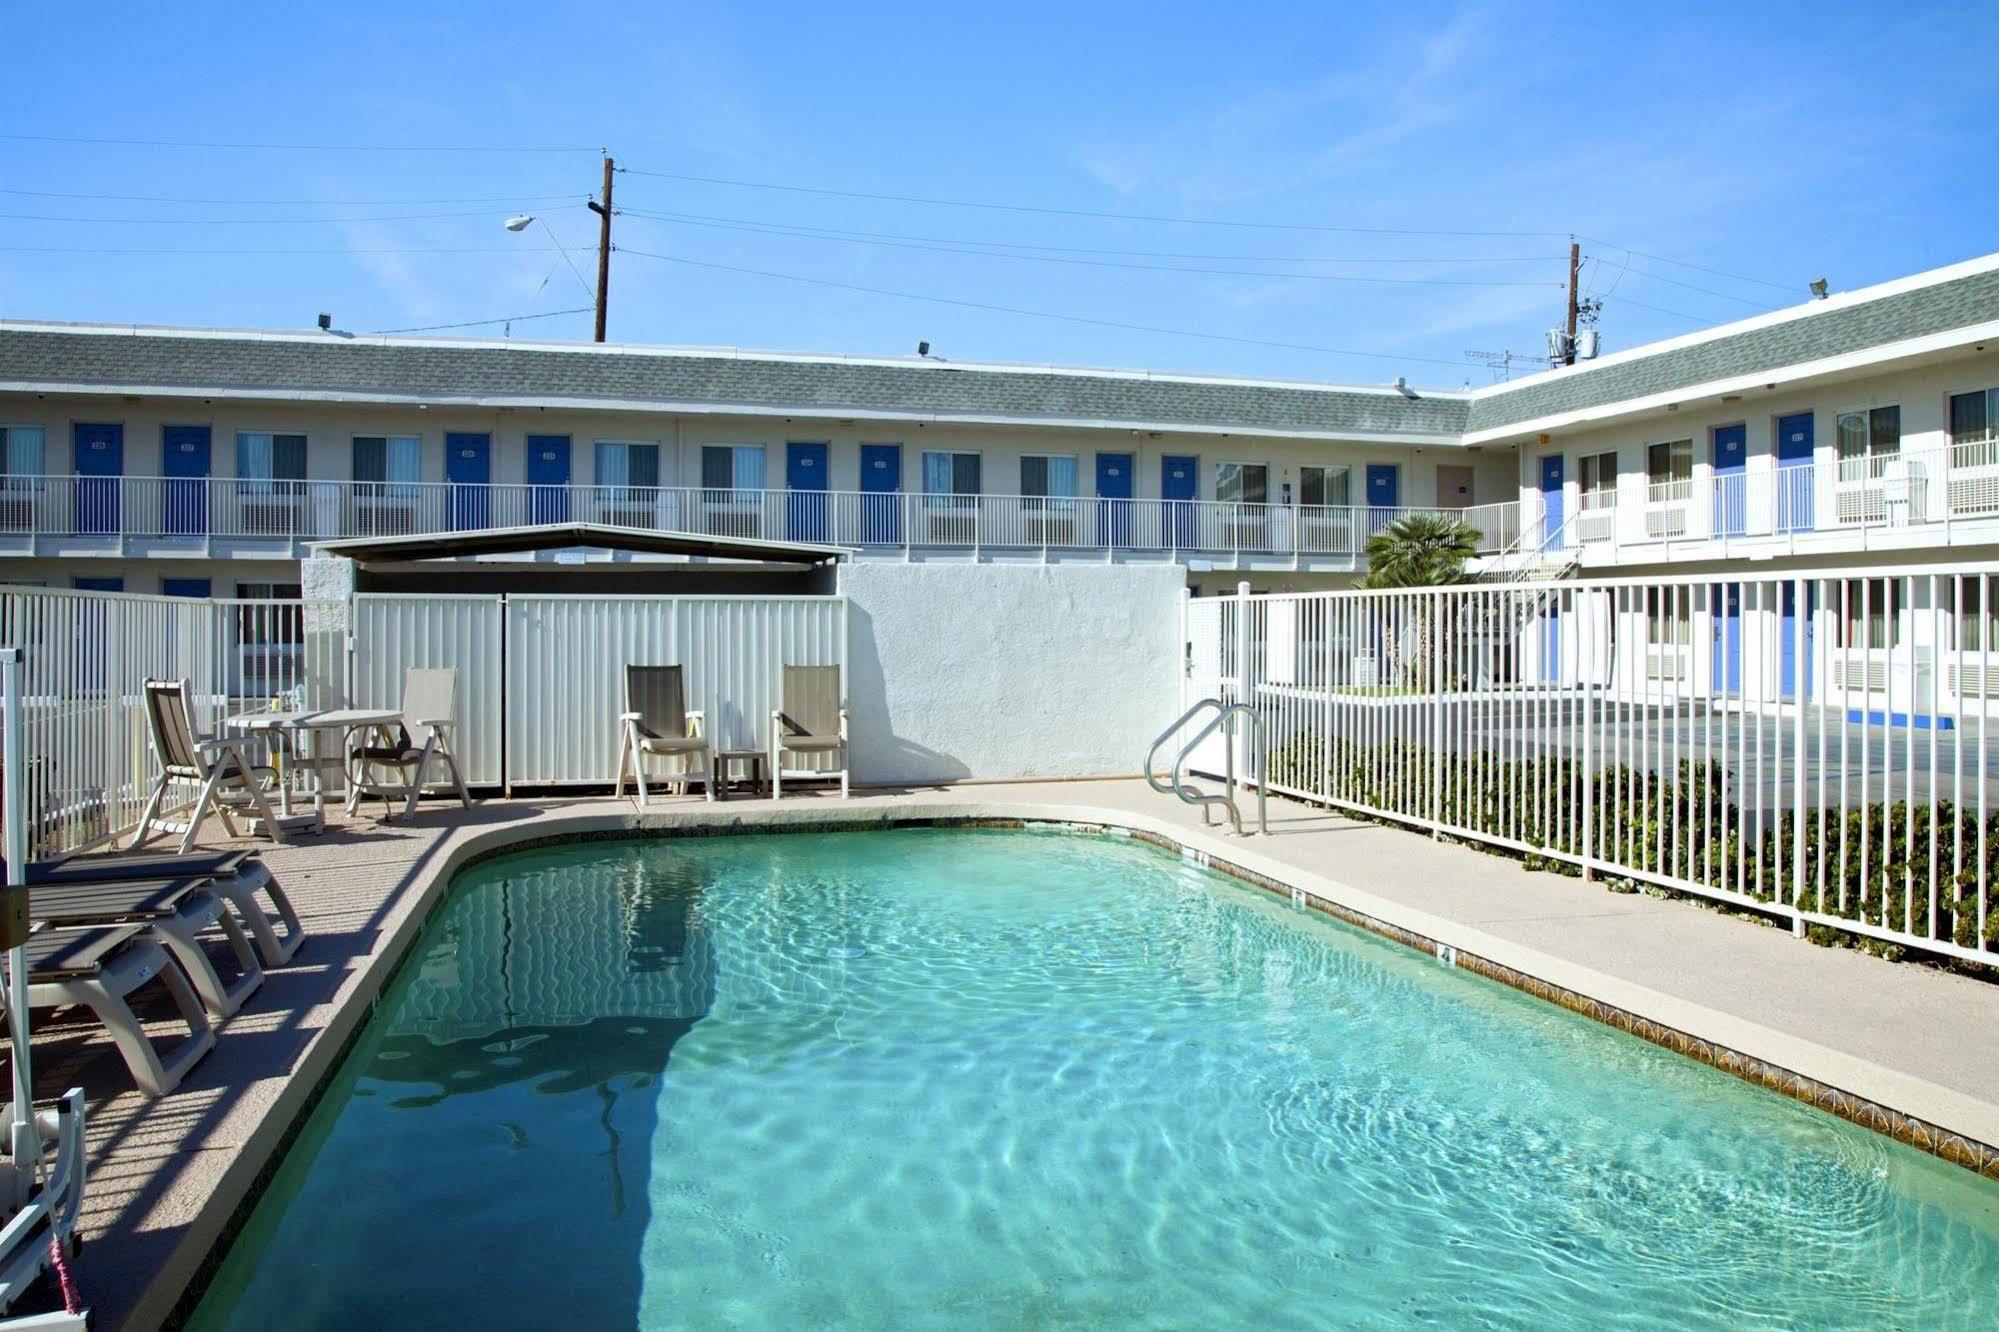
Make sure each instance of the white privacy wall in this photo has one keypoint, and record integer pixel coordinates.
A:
(995, 671)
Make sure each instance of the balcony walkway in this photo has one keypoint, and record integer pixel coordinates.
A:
(167, 1176)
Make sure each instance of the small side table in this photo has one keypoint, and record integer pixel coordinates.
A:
(752, 760)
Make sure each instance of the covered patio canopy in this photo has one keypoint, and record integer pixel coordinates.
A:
(541, 537)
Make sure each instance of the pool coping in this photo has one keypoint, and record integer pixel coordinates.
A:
(1954, 1127)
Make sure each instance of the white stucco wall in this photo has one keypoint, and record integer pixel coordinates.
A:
(996, 670)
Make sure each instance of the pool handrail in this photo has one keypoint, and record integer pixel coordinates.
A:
(1152, 754)
(1226, 800)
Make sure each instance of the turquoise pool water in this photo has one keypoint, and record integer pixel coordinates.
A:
(1001, 1079)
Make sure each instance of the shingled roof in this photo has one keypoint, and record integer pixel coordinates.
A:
(1852, 323)
(375, 368)
(408, 369)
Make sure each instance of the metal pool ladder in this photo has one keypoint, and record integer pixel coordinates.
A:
(1177, 784)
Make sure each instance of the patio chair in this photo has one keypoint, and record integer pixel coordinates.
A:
(430, 714)
(221, 768)
(810, 723)
(178, 910)
(237, 877)
(656, 722)
(98, 967)
(47, 1198)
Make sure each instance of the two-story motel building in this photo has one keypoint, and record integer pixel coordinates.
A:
(1855, 431)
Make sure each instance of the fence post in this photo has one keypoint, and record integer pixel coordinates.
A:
(1245, 677)
(1800, 673)
(1438, 678)
(1587, 768)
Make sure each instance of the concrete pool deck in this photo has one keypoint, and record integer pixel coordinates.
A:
(1892, 1045)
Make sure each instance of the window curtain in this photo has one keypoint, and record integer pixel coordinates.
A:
(748, 460)
(936, 473)
(371, 458)
(1062, 478)
(253, 457)
(613, 467)
(23, 454)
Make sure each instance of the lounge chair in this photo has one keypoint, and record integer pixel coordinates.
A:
(656, 722)
(810, 723)
(221, 768)
(237, 877)
(178, 911)
(430, 714)
(47, 1198)
(98, 966)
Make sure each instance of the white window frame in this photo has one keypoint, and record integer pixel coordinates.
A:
(1674, 489)
(1047, 500)
(267, 485)
(950, 498)
(1980, 452)
(1265, 502)
(1866, 467)
(1325, 470)
(1602, 495)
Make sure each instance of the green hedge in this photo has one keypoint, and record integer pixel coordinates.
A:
(1630, 810)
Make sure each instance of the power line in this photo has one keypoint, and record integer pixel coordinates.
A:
(1660, 309)
(255, 221)
(1083, 212)
(800, 229)
(324, 249)
(1698, 268)
(486, 323)
(1098, 263)
(297, 203)
(297, 147)
(1705, 291)
(1036, 314)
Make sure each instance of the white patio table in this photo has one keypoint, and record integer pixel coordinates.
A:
(299, 730)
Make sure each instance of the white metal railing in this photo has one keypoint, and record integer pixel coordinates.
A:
(290, 514)
(1779, 505)
(1837, 768)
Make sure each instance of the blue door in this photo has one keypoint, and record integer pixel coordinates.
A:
(1114, 497)
(1178, 479)
(468, 467)
(184, 458)
(1552, 492)
(1795, 445)
(1790, 631)
(99, 584)
(805, 478)
(1384, 485)
(1726, 604)
(1731, 453)
(881, 494)
(548, 478)
(184, 587)
(99, 451)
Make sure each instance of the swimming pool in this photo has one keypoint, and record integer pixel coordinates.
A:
(980, 1078)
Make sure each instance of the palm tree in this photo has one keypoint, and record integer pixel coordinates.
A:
(1420, 550)
(1417, 550)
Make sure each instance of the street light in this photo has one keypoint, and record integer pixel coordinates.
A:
(520, 222)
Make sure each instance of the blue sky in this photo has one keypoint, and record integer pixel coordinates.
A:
(1768, 143)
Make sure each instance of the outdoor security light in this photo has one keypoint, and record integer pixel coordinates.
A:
(520, 222)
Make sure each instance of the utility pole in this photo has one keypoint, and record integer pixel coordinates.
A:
(603, 212)
(1568, 355)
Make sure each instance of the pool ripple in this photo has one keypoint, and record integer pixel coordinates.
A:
(1000, 1079)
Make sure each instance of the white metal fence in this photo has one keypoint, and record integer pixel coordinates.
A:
(566, 658)
(88, 657)
(540, 679)
(1833, 766)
